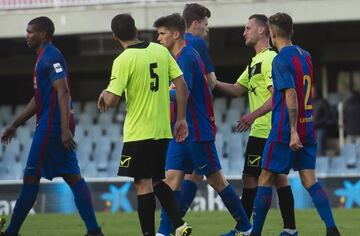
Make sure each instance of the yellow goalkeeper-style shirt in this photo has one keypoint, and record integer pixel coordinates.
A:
(143, 71)
(257, 79)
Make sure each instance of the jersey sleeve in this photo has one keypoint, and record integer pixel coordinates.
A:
(282, 74)
(266, 70)
(120, 74)
(203, 50)
(244, 78)
(56, 67)
(174, 69)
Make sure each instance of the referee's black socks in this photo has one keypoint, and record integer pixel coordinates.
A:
(168, 202)
(146, 212)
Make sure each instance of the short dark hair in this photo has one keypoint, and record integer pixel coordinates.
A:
(123, 26)
(44, 24)
(283, 24)
(193, 12)
(172, 22)
(261, 20)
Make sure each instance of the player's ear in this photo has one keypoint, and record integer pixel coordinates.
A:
(176, 34)
(43, 34)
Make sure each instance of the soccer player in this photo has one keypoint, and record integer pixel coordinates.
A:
(291, 143)
(196, 20)
(144, 71)
(52, 151)
(256, 81)
(198, 152)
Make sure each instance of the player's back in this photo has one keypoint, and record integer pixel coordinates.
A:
(200, 113)
(146, 70)
(292, 68)
(50, 66)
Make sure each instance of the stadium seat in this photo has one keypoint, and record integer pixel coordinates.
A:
(349, 153)
(220, 104)
(86, 120)
(105, 119)
(232, 116)
(337, 165)
(90, 107)
(237, 104)
(113, 131)
(322, 165)
(23, 134)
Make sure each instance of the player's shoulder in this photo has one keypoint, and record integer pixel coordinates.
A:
(52, 52)
(195, 40)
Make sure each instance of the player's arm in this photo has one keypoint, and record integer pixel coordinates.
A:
(63, 95)
(26, 114)
(292, 106)
(231, 90)
(247, 120)
(107, 100)
(180, 128)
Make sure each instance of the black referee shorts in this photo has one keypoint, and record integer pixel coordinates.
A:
(253, 156)
(144, 159)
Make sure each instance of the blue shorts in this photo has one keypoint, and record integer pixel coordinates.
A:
(279, 158)
(199, 156)
(48, 157)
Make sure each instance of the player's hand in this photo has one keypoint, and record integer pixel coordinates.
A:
(245, 122)
(8, 134)
(67, 139)
(101, 102)
(212, 82)
(295, 143)
(180, 130)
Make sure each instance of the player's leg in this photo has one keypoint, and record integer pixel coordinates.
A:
(23, 204)
(206, 162)
(137, 161)
(251, 172)
(231, 201)
(83, 202)
(146, 205)
(305, 162)
(286, 203)
(175, 166)
(189, 188)
(262, 201)
(277, 158)
(31, 180)
(173, 179)
(163, 192)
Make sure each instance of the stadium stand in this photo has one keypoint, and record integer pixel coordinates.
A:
(99, 142)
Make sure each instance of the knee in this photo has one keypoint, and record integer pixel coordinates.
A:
(307, 183)
(197, 179)
(267, 178)
(217, 181)
(31, 180)
(282, 181)
(249, 181)
(143, 186)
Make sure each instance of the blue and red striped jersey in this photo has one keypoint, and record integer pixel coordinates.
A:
(201, 46)
(292, 68)
(50, 66)
(199, 114)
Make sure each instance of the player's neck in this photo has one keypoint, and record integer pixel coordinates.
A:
(281, 43)
(178, 46)
(41, 46)
(261, 45)
(129, 43)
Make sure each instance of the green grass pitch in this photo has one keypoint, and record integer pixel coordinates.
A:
(204, 223)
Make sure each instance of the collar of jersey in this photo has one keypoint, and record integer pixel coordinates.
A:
(140, 45)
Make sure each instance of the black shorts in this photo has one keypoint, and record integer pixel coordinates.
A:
(253, 156)
(144, 159)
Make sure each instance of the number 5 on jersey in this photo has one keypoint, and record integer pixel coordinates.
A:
(154, 81)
